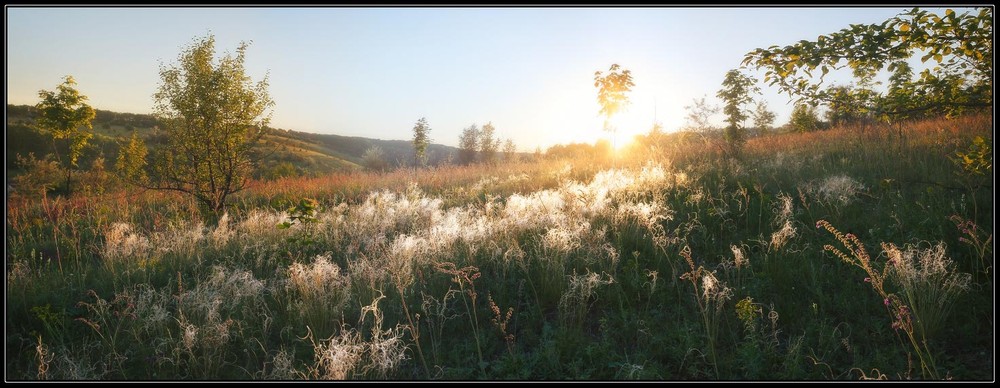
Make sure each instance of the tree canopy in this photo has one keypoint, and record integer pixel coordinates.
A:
(961, 46)
(421, 139)
(611, 91)
(736, 93)
(213, 116)
(63, 114)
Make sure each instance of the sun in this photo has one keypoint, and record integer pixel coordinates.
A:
(626, 126)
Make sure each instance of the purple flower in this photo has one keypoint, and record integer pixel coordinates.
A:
(868, 280)
(886, 301)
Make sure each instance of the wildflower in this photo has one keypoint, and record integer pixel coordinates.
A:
(738, 258)
(834, 190)
(868, 279)
(886, 301)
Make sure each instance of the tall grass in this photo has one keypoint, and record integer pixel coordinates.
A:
(577, 259)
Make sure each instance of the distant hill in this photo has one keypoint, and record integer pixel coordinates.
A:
(293, 152)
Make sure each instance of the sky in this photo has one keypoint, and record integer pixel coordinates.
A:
(373, 72)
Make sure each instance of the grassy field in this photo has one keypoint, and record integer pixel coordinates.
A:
(852, 253)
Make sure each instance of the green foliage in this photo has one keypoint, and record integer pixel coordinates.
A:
(40, 175)
(421, 139)
(303, 214)
(131, 162)
(977, 159)
(213, 117)
(54, 322)
(962, 46)
(804, 118)
(282, 169)
(735, 94)
(849, 105)
(763, 119)
(62, 115)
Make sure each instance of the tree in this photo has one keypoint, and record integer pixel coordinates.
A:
(213, 115)
(804, 118)
(488, 143)
(735, 93)
(962, 46)
(509, 151)
(374, 159)
(468, 144)
(611, 90)
(421, 139)
(131, 162)
(62, 114)
(38, 175)
(848, 104)
(700, 114)
(763, 118)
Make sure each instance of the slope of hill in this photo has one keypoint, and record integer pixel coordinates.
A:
(293, 152)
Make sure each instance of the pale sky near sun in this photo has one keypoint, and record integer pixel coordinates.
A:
(373, 72)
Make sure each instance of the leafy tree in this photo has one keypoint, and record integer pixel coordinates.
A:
(131, 162)
(213, 115)
(421, 139)
(468, 144)
(763, 118)
(62, 114)
(735, 93)
(611, 92)
(804, 118)
(962, 46)
(38, 176)
(374, 159)
(509, 151)
(280, 170)
(489, 144)
(846, 105)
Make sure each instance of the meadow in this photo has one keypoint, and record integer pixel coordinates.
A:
(844, 254)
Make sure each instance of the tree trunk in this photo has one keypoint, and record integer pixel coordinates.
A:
(69, 175)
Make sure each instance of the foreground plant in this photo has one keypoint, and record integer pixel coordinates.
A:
(711, 295)
(927, 281)
(465, 279)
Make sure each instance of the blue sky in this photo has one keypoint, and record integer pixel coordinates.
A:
(374, 71)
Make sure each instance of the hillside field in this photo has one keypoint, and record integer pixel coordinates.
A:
(841, 254)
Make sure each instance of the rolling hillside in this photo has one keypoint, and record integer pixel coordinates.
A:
(294, 153)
